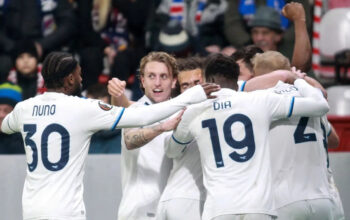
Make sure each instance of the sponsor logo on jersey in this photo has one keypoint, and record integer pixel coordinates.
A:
(105, 106)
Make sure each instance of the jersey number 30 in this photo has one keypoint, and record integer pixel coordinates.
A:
(31, 130)
(247, 141)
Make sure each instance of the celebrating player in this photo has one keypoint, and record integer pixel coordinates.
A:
(57, 127)
(184, 194)
(299, 155)
(236, 165)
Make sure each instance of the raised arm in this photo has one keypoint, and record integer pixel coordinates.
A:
(116, 89)
(302, 47)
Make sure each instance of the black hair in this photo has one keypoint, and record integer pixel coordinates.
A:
(97, 90)
(189, 63)
(238, 54)
(56, 66)
(25, 46)
(246, 54)
(221, 65)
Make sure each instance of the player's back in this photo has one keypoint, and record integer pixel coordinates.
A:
(232, 137)
(298, 156)
(57, 130)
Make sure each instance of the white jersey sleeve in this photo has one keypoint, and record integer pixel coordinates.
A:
(174, 148)
(182, 136)
(10, 124)
(327, 125)
(135, 117)
(241, 85)
(312, 103)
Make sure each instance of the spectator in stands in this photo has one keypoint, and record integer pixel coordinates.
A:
(105, 141)
(27, 72)
(10, 95)
(202, 20)
(240, 13)
(50, 23)
(111, 38)
(173, 39)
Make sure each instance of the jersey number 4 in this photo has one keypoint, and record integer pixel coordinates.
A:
(247, 141)
(301, 137)
(31, 130)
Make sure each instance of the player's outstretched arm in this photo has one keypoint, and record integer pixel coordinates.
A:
(137, 137)
(269, 80)
(181, 137)
(146, 115)
(311, 104)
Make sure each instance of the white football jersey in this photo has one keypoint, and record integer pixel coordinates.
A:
(298, 156)
(231, 132)
(186, 177)
(56, 129)
(144, 172)
(241, 85)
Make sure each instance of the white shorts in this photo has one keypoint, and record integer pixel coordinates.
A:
(244, 217)
(313, 209)
(337, 206)
(178, 208)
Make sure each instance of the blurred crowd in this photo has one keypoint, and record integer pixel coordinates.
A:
(109, 38)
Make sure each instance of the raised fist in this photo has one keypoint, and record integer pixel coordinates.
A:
(116, 87)
(294, 11)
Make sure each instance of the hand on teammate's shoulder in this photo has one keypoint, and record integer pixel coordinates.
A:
(210, 88)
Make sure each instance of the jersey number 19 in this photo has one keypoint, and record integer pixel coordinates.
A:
(247, 141)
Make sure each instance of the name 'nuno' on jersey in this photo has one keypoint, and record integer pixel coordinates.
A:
(44, 110)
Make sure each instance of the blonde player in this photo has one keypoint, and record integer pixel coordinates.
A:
(57, 127)
(231, 132)
(145, 168)
(298, 153)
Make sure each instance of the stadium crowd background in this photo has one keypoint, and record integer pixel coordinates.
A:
(109, 38)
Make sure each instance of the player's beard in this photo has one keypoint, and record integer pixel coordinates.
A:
(77, 90)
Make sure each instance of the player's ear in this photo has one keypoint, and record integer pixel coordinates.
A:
(71, 78)
(142, 80)
(173, 84)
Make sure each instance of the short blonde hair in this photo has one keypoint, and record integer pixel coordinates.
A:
(269, 61)
(161, 57)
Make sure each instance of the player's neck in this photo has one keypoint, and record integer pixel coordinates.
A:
(58, 90)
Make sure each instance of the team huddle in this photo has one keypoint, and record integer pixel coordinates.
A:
(233, 153)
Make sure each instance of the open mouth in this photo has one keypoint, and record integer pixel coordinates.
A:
(157, 91)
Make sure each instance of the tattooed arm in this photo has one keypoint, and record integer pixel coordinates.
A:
(137, 137)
